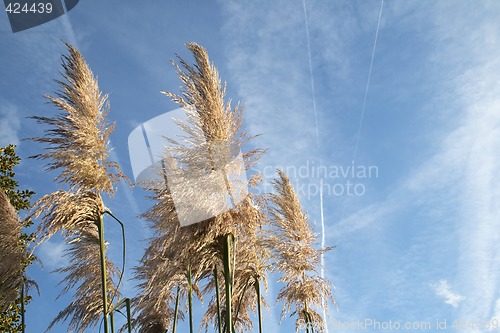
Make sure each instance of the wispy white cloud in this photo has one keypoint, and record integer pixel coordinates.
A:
(72, 38)
(132, 203)
(10, 124)
(495, 318)
(471, 166)
(51, 254)
(457, 184)
(270, 69)
(365, 217)
(443, 289)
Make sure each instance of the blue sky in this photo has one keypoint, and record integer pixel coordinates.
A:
(419, 244)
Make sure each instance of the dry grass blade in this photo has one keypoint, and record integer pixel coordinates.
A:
(78, 138)
(84, 272)
(11, 253)
(294, 244)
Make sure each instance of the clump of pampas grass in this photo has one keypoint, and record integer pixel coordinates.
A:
(77, 141)
(11, 253)
(179, 258)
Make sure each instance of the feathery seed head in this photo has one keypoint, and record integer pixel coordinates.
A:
(78, 138)
(69, 212)
(84, 272)
(293, 243)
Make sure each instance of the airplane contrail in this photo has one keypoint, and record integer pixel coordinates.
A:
(368, 83)
(365, 97)
(313, 92)
(317, 129)
(311, 73)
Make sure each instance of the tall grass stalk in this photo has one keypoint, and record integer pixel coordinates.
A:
(23, 321)
(112, 322)
(228, 277)
(102, 253)
(217, 293)
(129, 318)
(116, 308)
(240, 301)
(176, 310)
(190, 299)
(259, 305)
